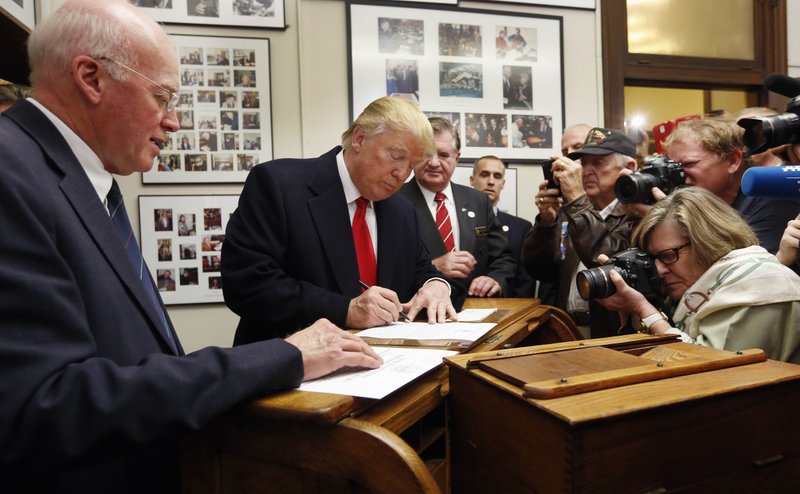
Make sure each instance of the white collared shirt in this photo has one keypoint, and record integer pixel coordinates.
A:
(449, 203)
(351, 193)
(98, 176)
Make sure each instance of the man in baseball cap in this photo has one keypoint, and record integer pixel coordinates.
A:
(584, 221)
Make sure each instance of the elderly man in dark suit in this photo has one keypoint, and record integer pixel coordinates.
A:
(292, 250)
(457, 223)
(96, 390)
(489, 177)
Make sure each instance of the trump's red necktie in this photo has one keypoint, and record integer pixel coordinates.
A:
(365, 253)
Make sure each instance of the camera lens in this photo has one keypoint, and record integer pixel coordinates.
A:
(762, 133)
(595, 282)
(636, 188)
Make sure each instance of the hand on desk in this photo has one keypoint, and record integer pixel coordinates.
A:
(326, 348)
(456, 264)
(435, 295)
(375, 307)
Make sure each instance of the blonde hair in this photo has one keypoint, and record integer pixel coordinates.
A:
(713, 227)
(394, 114)
(718, 135)
(9, 93)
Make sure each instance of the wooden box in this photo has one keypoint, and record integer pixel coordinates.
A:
(623, 415)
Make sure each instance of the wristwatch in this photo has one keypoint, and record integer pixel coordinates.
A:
(648, 321)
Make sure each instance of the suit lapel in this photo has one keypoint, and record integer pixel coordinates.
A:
(466, 223)
(427, 225)
(82, 196)
(332, 222)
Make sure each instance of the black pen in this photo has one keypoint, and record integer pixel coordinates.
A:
(366, 287)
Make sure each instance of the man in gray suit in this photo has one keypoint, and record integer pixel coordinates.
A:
(96, 389)
(457, 223)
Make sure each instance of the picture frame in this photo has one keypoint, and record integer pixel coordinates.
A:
(224, 110)
(498, 75)
(562, 4)
(23, 12)
(239, 13)
(181, 239)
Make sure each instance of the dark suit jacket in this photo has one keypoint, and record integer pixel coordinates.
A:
(490, 248)
(515, 229)
(92, 397)
(289, 258)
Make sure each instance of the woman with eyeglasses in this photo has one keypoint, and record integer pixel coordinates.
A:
(730, 293)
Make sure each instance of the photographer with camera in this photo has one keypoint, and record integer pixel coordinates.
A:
(580, 221)
(730, 293)
(711, 150)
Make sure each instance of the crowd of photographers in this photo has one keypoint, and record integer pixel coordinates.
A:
(701, 241)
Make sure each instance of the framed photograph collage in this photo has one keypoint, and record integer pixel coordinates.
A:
(224, 111)
(246, 13)
(498, 77)
(181, 238)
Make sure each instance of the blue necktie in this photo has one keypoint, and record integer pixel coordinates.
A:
(116, 208)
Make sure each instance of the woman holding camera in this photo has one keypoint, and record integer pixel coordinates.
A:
(730, 293)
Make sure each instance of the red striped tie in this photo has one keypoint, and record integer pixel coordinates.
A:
(365, 253)
(443, 222)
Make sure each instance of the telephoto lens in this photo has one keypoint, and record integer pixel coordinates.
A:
(636, 267)
(596, 282)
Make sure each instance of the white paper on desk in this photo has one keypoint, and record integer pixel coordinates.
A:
(455, 331)
(400, 367)
(475, 315)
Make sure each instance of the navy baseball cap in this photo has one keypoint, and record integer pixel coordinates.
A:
(601, 141)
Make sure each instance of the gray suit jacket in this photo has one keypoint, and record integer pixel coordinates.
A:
(479, 233)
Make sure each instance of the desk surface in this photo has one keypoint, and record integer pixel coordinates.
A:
(410, 403)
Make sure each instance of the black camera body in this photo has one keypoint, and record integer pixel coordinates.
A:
(547, 171)
(660, 172)
(763, 133)
(637, 268)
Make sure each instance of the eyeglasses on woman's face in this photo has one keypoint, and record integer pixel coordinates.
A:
(671, 255)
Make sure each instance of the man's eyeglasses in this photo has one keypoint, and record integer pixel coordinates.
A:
(670, 256)
(167, 104)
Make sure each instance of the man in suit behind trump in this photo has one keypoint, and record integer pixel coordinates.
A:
(308, 231)
(96, 390)
(457, 223)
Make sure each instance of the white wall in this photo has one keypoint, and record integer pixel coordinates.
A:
(310, 111)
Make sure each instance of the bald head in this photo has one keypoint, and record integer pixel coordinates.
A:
(573, 138)
(111, 28)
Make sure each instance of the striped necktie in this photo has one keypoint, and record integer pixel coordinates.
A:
(122, 225)
(443, 222)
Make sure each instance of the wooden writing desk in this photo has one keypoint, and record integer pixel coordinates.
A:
(315, 442)
(628, 414)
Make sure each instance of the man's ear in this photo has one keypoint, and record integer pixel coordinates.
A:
(87, 74)
(735, 159)
(357, 139)
(472, 181)
(631, 165)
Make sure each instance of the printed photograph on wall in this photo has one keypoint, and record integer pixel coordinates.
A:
(181, 238)
(224, 112)
(251, 13)
(499, 75)
(23, 12)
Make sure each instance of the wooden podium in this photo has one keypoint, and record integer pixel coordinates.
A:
(314, 442)
(625, 414)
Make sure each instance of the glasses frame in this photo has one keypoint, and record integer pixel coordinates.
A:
(675, 251)
(173, 96)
